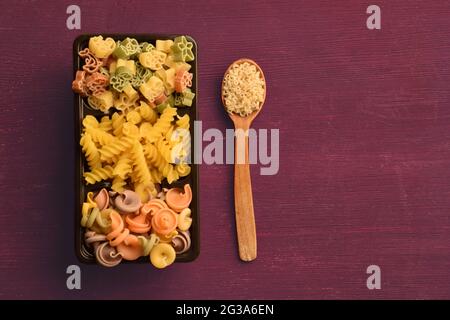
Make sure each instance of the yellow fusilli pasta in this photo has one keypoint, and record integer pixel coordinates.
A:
(90, 151)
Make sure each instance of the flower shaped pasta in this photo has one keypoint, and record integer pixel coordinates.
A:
(183, 79)
(182, 49)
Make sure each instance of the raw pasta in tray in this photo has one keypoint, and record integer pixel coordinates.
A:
(137, 151)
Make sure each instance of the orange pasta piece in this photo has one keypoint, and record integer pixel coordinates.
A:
(183, 79)
(79, 83)
(153, 206)
(138, 223)
(118, 233)
(130, 248)
(179, 200)
(164, 221)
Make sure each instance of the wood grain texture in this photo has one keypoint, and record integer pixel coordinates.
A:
(243, 205)
(364, 178)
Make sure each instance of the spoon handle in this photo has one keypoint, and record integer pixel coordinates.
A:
(243, 200)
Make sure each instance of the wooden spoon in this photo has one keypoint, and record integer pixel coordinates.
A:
(243, 198)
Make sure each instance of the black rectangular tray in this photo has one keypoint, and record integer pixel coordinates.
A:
(82, 109)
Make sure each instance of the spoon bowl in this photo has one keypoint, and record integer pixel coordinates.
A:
(236, 118)
(243, 197)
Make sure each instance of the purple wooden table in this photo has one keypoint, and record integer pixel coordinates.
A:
(364, 119)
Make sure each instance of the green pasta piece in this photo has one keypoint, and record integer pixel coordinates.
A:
(178, 100)
(188, 94)
(182, 49)
(170, 102)
(142, 75)
(160, 107)
(127, 48)
(124, 73)
(187, 102)
(118, 83)
(184, 99)
(136, 82)
(143, 72)
(146, 47)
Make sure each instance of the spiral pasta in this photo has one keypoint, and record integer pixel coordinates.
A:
(138, 223)
(148, 243)
(183, 169)
(164, 149)
(99, 136)
(162, 124)
(164, 167)
(123, 167)
(105, 124)
(115, 147)
(90, 150)
(117, 121)
(98, 174)
(118, 184)
(138, 157)
(90, 122)
(93, 218)
(147, 113)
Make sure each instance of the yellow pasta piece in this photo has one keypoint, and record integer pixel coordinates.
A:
(90, 121)
(164, 45)
(183, 169)
(152, 88)
(145, 191)
(171, 63)
(90, 151)
(98, 174)
(115, 147)
(141, 168)
(153, 59)
(105, 124)
(117, 121)
(130, 92)
(134, 117)
(131, 130)
(124, 103)
(118, 184)
(99, 136)
(123, 167)
(168, 78)
(112, 67)
(102, 102)
(147, 113)
(184, 219)
(129, 64)
(101, 48)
